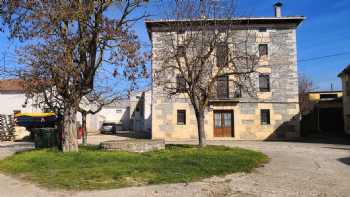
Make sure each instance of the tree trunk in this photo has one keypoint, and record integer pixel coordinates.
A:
(83, 121)
(70, 143)
(200, 128)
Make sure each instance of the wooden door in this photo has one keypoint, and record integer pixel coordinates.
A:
(223, 124)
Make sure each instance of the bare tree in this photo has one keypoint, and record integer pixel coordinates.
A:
(306, 85)
(201, 47)
(67, 42)
(105, 92)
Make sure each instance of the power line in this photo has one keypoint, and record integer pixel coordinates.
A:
(323, 57)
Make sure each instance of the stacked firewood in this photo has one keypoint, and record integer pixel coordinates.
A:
(7, 128)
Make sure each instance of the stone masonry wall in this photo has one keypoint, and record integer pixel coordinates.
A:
(346, 104)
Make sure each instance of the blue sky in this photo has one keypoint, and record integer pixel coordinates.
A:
(325, 32)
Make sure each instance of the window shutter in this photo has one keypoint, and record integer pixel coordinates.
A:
(181, 51)
(222, 87)
(180, 83)
(221, 54)
(265, 116)
(181, 117)
(264, 83)
(263, 50)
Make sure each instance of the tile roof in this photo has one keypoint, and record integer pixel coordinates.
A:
(12, 85)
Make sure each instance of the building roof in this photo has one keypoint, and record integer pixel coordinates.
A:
(12, 85)
(122, 103)
(294, 20)
(345, 71)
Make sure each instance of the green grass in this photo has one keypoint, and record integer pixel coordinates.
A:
(92, 168)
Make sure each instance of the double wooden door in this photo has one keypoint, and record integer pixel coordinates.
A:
(223, 123)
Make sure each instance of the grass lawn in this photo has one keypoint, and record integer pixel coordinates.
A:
(92, 168)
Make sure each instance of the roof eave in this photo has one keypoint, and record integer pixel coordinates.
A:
(252, 20)
(345, 71)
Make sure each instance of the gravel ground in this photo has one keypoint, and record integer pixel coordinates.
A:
(295, 169)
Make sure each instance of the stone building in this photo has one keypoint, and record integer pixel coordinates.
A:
(345, 77)
(274, 110)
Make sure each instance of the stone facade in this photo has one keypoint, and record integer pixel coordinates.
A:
(281, 100)
(345, 77)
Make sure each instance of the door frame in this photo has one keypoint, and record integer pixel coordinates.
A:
(232, 120)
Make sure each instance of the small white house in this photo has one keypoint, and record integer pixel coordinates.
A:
(132, 114)
(13, 99)
(117, 112)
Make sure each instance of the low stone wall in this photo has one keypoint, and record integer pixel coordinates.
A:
(133, 145)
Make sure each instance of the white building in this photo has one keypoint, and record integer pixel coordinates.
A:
(133, 113)
(13, 99)
(140, 111)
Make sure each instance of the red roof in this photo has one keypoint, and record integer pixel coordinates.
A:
(12, 85)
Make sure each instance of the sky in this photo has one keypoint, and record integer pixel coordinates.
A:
(323, 39)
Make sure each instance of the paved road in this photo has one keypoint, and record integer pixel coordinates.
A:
(296, 169)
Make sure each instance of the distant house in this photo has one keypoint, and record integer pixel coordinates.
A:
(325, 114)
(13, 99)
(345, 77)
(133, 113)
(117, 112)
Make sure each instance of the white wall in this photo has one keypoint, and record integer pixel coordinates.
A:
(15, 101)
(148, 110)
(107, 114)
(139, 121)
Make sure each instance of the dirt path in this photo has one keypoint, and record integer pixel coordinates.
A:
(296, 169)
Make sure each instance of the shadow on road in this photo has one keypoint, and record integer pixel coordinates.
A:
(322, 139)
(345, 160)
(337, 148)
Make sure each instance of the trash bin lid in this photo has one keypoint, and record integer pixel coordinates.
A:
(36, 114)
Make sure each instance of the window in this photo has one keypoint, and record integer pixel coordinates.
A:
(262, 29)
(181, 31)
(238, 92)
(265, 116)
(181, 117)
(221, 54)
(180, 84)
(181, 50)
(222, 87)
(264, 83)
(263, 50)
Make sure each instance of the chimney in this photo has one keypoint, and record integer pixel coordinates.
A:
(277, 6)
